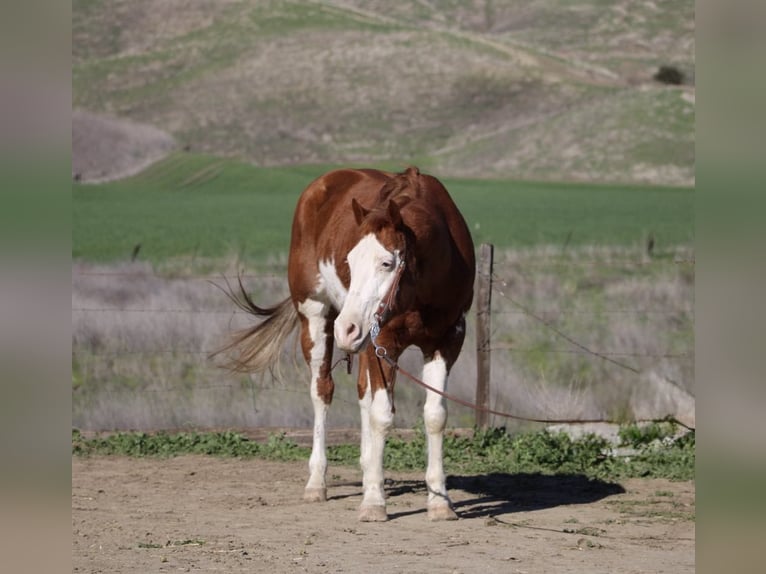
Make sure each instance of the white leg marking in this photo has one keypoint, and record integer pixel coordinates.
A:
(435, 418)
(377, 419)
(364, 411)
(316, 488)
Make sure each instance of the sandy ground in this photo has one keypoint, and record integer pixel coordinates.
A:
(205, 514)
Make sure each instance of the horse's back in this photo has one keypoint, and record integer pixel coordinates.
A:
(454, 220)
(324, 227)
(327, 190)
(323, 223)
(320, 205)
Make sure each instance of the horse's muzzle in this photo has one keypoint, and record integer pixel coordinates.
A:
(349, 336)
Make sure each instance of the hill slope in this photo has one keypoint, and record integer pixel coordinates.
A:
(540, 90)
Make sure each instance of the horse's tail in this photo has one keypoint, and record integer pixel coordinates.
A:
(257, 349)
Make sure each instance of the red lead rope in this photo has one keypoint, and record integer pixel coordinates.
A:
(382, 354)
(474, 406)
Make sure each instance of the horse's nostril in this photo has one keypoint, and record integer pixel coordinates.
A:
(351, 329)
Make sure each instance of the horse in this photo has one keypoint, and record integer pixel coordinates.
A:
(378, 262)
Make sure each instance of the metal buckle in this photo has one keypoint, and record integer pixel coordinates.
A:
(380, 351)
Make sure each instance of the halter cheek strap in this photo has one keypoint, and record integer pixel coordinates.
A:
(384, 307)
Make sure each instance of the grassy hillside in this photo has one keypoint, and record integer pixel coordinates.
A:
(549, 90)
(201, 206)
(261, 96)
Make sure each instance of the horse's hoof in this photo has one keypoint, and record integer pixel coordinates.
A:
(372, 514)
(441, 512)
(315, 495)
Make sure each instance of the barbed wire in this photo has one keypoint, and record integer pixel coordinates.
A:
(170, 276)
(559, 260)
(149, 352)
(280, 271)
(510, 347)
(192, 311)
(251, 387)
(546, 311)
(157, 310)
(592, 312)
(519, 308)
(497, 347)
(580, 346)
(566, 337)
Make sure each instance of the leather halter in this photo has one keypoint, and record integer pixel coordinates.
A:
(379, 318)
(384, 307)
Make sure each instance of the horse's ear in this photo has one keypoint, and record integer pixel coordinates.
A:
(359, 212)
(394, 214)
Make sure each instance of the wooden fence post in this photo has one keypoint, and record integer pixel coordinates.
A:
(483, 305)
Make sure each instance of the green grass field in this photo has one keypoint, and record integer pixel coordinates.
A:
(200, 206)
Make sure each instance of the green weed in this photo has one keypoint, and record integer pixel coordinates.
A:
(227, 443)
(491, 450)
(638, 436)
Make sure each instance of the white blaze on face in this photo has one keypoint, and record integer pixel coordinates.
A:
(372, 273)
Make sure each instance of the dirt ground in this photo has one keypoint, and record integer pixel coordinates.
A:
(206, 514)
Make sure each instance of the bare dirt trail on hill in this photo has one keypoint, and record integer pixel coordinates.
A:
(106, 148)
(205, 514)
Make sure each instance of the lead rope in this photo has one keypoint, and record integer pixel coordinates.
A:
(382, 355)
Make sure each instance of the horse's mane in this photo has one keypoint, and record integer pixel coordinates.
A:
(403, 184)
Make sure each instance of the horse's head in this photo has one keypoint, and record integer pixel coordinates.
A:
(377, 264)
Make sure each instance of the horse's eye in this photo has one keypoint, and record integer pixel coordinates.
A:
(387, 265)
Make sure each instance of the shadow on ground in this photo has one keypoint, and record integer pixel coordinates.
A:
(503, 493)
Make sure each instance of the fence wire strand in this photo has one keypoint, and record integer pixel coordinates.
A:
(539, 315)
(560, 333)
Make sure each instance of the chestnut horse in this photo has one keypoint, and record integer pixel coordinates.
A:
(378, 262)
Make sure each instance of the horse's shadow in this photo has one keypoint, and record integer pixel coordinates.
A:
(502, 493)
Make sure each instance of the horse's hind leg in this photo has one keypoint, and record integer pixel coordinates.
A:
(317, 345)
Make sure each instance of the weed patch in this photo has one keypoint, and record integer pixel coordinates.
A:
(227, 443)
(487, 451)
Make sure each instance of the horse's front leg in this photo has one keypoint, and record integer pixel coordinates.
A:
(377, 418)
(317, 346)
(435, 371)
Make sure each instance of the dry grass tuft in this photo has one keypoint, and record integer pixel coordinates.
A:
(141, 339)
